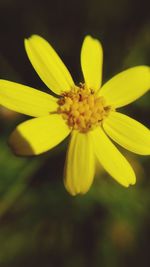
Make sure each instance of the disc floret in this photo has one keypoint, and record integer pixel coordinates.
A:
(82, 109)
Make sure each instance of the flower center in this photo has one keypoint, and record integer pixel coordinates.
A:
(82, 109)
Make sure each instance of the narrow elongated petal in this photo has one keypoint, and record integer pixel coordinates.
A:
(26, 100)
(80, 164)
(111, 159)
(128, 133)
(127, 86)
(91, 62)
(38, 135)
(48, 64)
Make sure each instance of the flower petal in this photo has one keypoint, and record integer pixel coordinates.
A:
(26, 100)
(128, 133)
(80, 164)
(91, 62)
(38, 135)
(127, 86)
(111, 159)
(48, 65)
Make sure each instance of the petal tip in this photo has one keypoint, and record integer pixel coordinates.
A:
(74, 191)
(133, 180)
(19, 144)
(31, 37)
(90, 38)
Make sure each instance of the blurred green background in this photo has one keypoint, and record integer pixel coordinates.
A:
(40, 224)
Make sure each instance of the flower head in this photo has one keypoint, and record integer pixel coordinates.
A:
(86, 111)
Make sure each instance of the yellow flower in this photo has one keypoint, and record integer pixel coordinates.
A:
(85, 111)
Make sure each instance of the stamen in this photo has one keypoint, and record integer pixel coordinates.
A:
(82, 109)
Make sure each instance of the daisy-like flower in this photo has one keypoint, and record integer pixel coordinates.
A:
(86, 111)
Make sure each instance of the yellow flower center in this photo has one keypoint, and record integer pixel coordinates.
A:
(82, 109)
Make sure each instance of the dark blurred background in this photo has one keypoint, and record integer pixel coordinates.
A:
(40, 224)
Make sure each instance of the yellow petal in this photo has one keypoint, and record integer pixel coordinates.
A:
(127, 86)
(91, 62)
(38, 135)
(111, 159)
(80, 164)
(128, 133)
(48, 64)
(26, 100)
